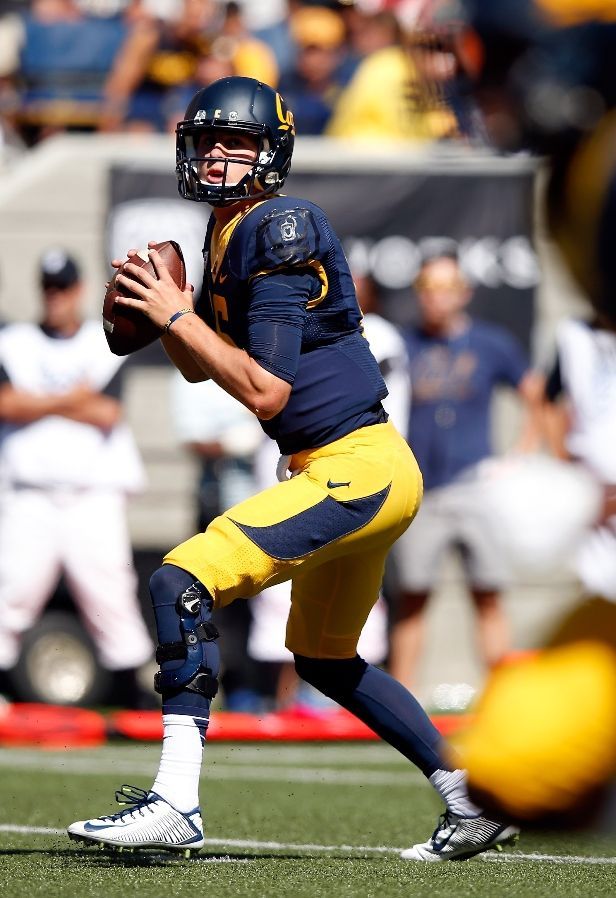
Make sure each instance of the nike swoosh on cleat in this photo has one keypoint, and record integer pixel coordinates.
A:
(440, 845)
(333, 484)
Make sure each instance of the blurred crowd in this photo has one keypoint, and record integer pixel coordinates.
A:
(348, 68)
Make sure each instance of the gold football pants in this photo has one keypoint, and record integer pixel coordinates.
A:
(328, 529)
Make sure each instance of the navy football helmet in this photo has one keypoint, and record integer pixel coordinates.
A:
(240, 105)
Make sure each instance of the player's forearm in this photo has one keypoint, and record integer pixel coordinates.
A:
(232, 368)
(183, 360)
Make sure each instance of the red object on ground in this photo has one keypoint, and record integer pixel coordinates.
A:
(51, 726)
(296, 725)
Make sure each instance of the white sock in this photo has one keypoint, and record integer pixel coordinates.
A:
(451, 786)
(177, 780)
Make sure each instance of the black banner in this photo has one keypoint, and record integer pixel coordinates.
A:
(386, 220)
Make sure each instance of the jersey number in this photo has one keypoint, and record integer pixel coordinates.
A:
(221, 315)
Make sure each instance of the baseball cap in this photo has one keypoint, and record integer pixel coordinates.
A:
(58, 269)
(317, 26)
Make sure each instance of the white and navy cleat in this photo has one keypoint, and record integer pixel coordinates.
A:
(459, 838)
(148, 821)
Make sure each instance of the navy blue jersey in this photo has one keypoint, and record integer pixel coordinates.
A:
(278, 285)
(453, 381)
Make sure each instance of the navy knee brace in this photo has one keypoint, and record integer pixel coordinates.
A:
(187, 651)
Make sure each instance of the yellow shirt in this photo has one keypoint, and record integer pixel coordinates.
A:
(254, 59)
(376, 103)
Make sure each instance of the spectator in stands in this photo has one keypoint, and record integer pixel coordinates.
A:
(161, 53)
(216, 62)
(252, 58)
(456, 363)
(67, 463)
(268, 20)
(430, 38)
(380, 101)
(233, 52)
(313, 85)
(166, 60)
(370, 28)
(62, 58)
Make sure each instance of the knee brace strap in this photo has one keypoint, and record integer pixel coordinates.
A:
(176, 651)
(194, 674)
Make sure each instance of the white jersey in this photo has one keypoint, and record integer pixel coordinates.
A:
(55, 451)
(388, 348)
(587, 358)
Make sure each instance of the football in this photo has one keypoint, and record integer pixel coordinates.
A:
(128, 329)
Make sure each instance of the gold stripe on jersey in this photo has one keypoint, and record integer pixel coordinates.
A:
(312, 263)
(221, 236)
(322, 275)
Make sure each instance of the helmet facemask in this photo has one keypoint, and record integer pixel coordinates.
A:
(261, 176)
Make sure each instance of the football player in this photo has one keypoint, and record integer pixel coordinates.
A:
(278, 327)
(543, 743)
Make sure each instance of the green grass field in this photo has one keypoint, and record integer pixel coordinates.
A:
(282, 820)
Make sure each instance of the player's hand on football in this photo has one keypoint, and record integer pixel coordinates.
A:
(157, 296)
(117, 263)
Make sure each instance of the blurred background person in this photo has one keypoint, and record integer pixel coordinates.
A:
(56, 61)
(67, 464)
(580, 415)
(389, 97)
(268, 20)
(430, 29)
(456, 364)
(222, 435)
(252, 56)
(229, 50)
(389, 348)
(164, 56)
(161, 54)
(314, 83)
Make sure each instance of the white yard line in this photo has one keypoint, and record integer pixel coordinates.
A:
(510, 857)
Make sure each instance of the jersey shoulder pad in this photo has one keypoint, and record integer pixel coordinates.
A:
(288, 235)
